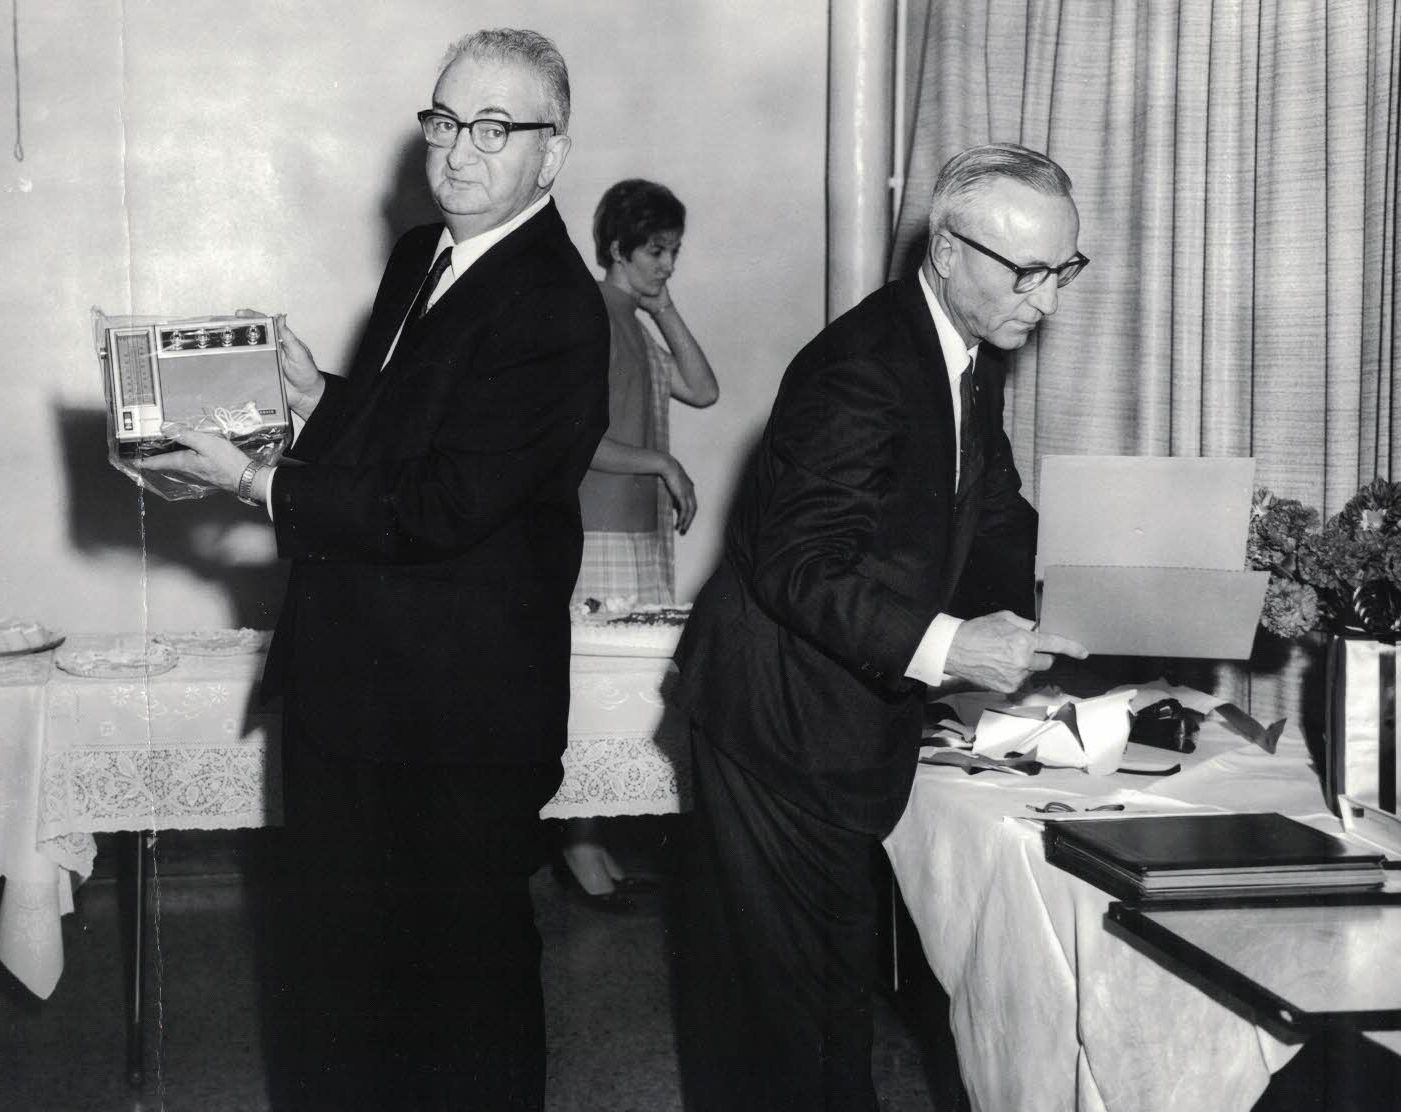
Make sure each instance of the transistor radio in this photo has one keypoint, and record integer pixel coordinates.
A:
(220, 374)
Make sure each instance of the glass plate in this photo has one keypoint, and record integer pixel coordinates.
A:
(216, 642)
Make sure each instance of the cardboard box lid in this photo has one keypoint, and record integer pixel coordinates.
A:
(1145, 556)
(1144, 511)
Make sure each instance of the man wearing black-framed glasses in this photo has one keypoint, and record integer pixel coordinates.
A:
(432, 522)
(992, 295)
(879, 545)
(1027, 278)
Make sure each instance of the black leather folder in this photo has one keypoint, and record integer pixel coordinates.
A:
(1142, 858)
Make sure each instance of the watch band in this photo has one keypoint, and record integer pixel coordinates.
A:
(245, 483)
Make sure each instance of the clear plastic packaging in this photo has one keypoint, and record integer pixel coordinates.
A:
(161, 376)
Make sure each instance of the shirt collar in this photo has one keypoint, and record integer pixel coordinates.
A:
(956, 356)
(471, 249)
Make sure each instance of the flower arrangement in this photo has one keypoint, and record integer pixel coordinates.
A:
(1344, 575)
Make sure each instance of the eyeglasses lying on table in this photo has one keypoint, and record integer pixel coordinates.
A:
(1057, 806)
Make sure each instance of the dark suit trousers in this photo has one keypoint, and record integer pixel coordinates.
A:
(781, 954)
(403, 957)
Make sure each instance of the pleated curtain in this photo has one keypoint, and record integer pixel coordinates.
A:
(1235, 165)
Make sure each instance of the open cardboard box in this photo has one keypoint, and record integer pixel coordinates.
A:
(1144, 555)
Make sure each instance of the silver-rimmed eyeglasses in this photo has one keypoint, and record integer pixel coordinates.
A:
(1029, 278)
(488, 135)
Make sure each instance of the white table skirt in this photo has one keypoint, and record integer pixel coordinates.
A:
(192, 749)
(1048, 1009)
(628, 753)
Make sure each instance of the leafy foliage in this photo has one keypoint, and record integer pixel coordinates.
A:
(1344, 575)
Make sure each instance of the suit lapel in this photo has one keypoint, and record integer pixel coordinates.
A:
(929, 357)
(403, 276)
(960, 523)
(483, 278)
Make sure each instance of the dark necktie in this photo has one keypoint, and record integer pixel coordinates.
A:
(420, 304)
(970, 444)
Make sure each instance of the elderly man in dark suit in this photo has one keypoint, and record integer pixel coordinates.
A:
(430, 509)
(879, 544)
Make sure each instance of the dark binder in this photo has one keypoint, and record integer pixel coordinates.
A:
(1143, 858)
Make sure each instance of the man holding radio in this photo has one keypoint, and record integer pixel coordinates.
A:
(430, 510)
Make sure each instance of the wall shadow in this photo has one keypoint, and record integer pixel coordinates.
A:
(198, 535)
(725, 503)
(407, 202)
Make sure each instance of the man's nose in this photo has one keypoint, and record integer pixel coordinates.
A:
(1045, 298)
(463, 150)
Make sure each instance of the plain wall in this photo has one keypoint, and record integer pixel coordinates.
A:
(190, 157)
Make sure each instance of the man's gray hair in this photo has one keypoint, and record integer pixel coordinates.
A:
(523, 48)
(966, 174)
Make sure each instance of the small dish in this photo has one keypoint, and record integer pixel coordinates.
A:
(216, 642)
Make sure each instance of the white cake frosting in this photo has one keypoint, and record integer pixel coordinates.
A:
(620, 629)
(20, 635)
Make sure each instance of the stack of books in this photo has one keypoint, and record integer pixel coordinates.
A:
(1147, 858)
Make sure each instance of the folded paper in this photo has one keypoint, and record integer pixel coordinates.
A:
(1077, 733)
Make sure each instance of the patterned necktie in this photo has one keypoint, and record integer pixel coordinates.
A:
(420, 305)
(970, 444)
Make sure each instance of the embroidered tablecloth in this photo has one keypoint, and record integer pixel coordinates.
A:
(191, 748)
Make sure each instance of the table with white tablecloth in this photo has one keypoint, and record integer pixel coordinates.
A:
(1049, 1010)
(193, 748)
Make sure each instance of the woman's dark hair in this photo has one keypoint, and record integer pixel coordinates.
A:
(632, 212)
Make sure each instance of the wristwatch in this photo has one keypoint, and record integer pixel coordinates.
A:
(245, 483)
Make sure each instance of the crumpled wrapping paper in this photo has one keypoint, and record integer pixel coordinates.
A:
(1070, 733)
(1058, 730)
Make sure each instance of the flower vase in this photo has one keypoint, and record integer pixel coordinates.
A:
(1360, 684)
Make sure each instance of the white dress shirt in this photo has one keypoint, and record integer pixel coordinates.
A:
(927, 664)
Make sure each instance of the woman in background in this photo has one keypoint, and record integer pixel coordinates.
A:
(636, 492)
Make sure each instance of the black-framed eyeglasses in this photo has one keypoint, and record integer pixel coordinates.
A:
(1029, 278)
(488, 135)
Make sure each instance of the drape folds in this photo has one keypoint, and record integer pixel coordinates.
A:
(1236, 169)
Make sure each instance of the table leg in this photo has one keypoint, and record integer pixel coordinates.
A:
(136, 911)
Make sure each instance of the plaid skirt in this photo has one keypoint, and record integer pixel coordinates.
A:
(623, 566)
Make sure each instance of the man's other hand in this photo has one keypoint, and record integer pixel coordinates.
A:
(299, 371)
(999, 651)
(210, 458)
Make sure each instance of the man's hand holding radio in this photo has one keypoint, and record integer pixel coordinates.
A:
(215, 460)
(299, 371)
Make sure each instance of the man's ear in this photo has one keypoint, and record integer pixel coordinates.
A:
(940, 252)
(556, 151)
(616, 252)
